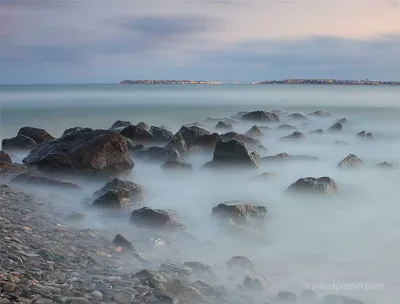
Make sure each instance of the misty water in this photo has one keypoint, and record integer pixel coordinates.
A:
(352, 237)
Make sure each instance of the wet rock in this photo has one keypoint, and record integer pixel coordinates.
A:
(265, 176)
(286, 297)
(241, 262)
(286, 157)
(240, 212)
(233, 154)
(192, 134)
(254, 282)
(97, 151)
(176, 270)
(178, 143)
(260, 116)
(294, 136)
(137, 134)
(337, 127)
(155, 219)
(286, 127)
(38, 135)
(73, 130)
(19, 142)
(120, 241)
(361, 134)
(319, 114)
(255, 132)
(351, 161)
(76, 218)
(8, 170)
(385, 165)
(4, 157)
(342, 121)
(297, 116)
(311, 185)
(136, 192)
(337, 299)
(247, 140)
(143, 125)
(364, 135)
(160, 134)
(32, 179)
(209, 141)
(113, 199)
(174, 165)
(223, 125)
(199, 268)
(120, 124)
(160, 154)
(318, 131)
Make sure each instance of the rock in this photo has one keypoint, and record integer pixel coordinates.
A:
(318, 131)
(340, 142)
(319, 114)
(96, 295)
(335, 128)
(385, 165)
(120, 124)
(351, 161)
(113, 199)
(173, 269)
(73, 130)
(311, 185)
(286, 127)
(155, 219)
(124, 296)
(19, 142)
(361, 134)
(264, 176)
(4, 157)
(120, 241)
(32, 179)
(160, 134)
(178, 143)
(287, 157)
(97, 151)
(143, 125)
(223, 125)
(192, 134)
(233, 154)
(247, 140)
(255, 132)
(173, 165)
(364, 135)
(38, 135)
(137, 134)
(260, 116)
(241, 262)
(342, 121)
(209, 141)
(255, 283)
(199, 268)
(337, 299)
(240, 212)
(136, 192)
(8, 170)
(76, 217)
(297, 116)
(160, 154)
(294, 136)
(286, 296)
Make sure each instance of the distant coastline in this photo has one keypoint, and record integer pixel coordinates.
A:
(285, 81)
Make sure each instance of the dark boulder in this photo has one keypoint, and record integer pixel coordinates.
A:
(318, 131)
(161, 134)
(120, 241)
(255, 132)
(19, 142)
(364, 135)
(319, 114)
(287, 157)
(361, 134)
(136, 192)
(240, 212)
(342, 121)
(223, 125)
(294, 136)
(337, 127)
(260, 116)
(113, 199)
(311, 185)
(143, 125)
(192, 134)
(38, 135)
(97, 151)
(338, 299)
(160, 154)
(155, 219)
(178, 143)
(175, 165)
(209, 141)
(74, 129)
(248, 141)
(286, 127)
(121, 124)
(351, 161)
(241, 262)
(33, 179)
(297, 116)
(233, 154)
(137, 134)
(4, 157)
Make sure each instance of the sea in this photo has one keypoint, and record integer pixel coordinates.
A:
(348, 244)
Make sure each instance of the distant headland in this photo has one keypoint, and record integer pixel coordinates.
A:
(285, 81)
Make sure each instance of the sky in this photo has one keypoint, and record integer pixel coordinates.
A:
(98, 41)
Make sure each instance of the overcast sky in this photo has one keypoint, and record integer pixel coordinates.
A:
(73, 41)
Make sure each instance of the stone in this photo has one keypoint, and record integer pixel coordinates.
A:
(19, 142)
(124, 296)
(260, 116)
(143, 125)
(255, 282)
(248, 141)
(337, 127)
(265, 176)
(318, 131)
(160, 154)
(192, 134)
(233, 154)
(319, 114)
(297, 116)
(342, 121)
(8, 170)
(34, 179)
(255, 131)
(4, 157)
(174, 165)
(136, 192)
(286, 297)
(286, 157)
(38, 135)
(240, 212)
(84, 151)
(136, 134)
(120, 124)
(120, 241)
(155, 219)
(286, 127)
(312, 185)
(161, 134)
(223, 125)
(178, 143)
(340, 142)
(294, 136)
(96, 295)
(199, 268)
(208, 141)
(73, 130)
(385, 165)
(113, 199)
(241, 262)
(351, 161)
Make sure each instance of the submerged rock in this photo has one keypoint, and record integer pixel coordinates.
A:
(38, 135)
(255, 132)
(294, 136)
(319, 114)
(19, 142)
(342, 121)
(160, 154)
(155, 219)
(232, 154)
(136, 192)
(175, 165)
(240, 212)
(241, 262)
(336, 127)
(286, 127)
(318, 131)
(260, 116)
(255, 283)
(351, 161)
(312, 185)
(265, 176)
(113, 199)
(385, 165)
(364, 135)
(340, 142)
(32, 179)
(297, 116)
(97, 151)
(223, 125)
(120, 241)
(287, 157)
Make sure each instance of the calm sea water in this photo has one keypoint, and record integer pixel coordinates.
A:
(353, 238)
